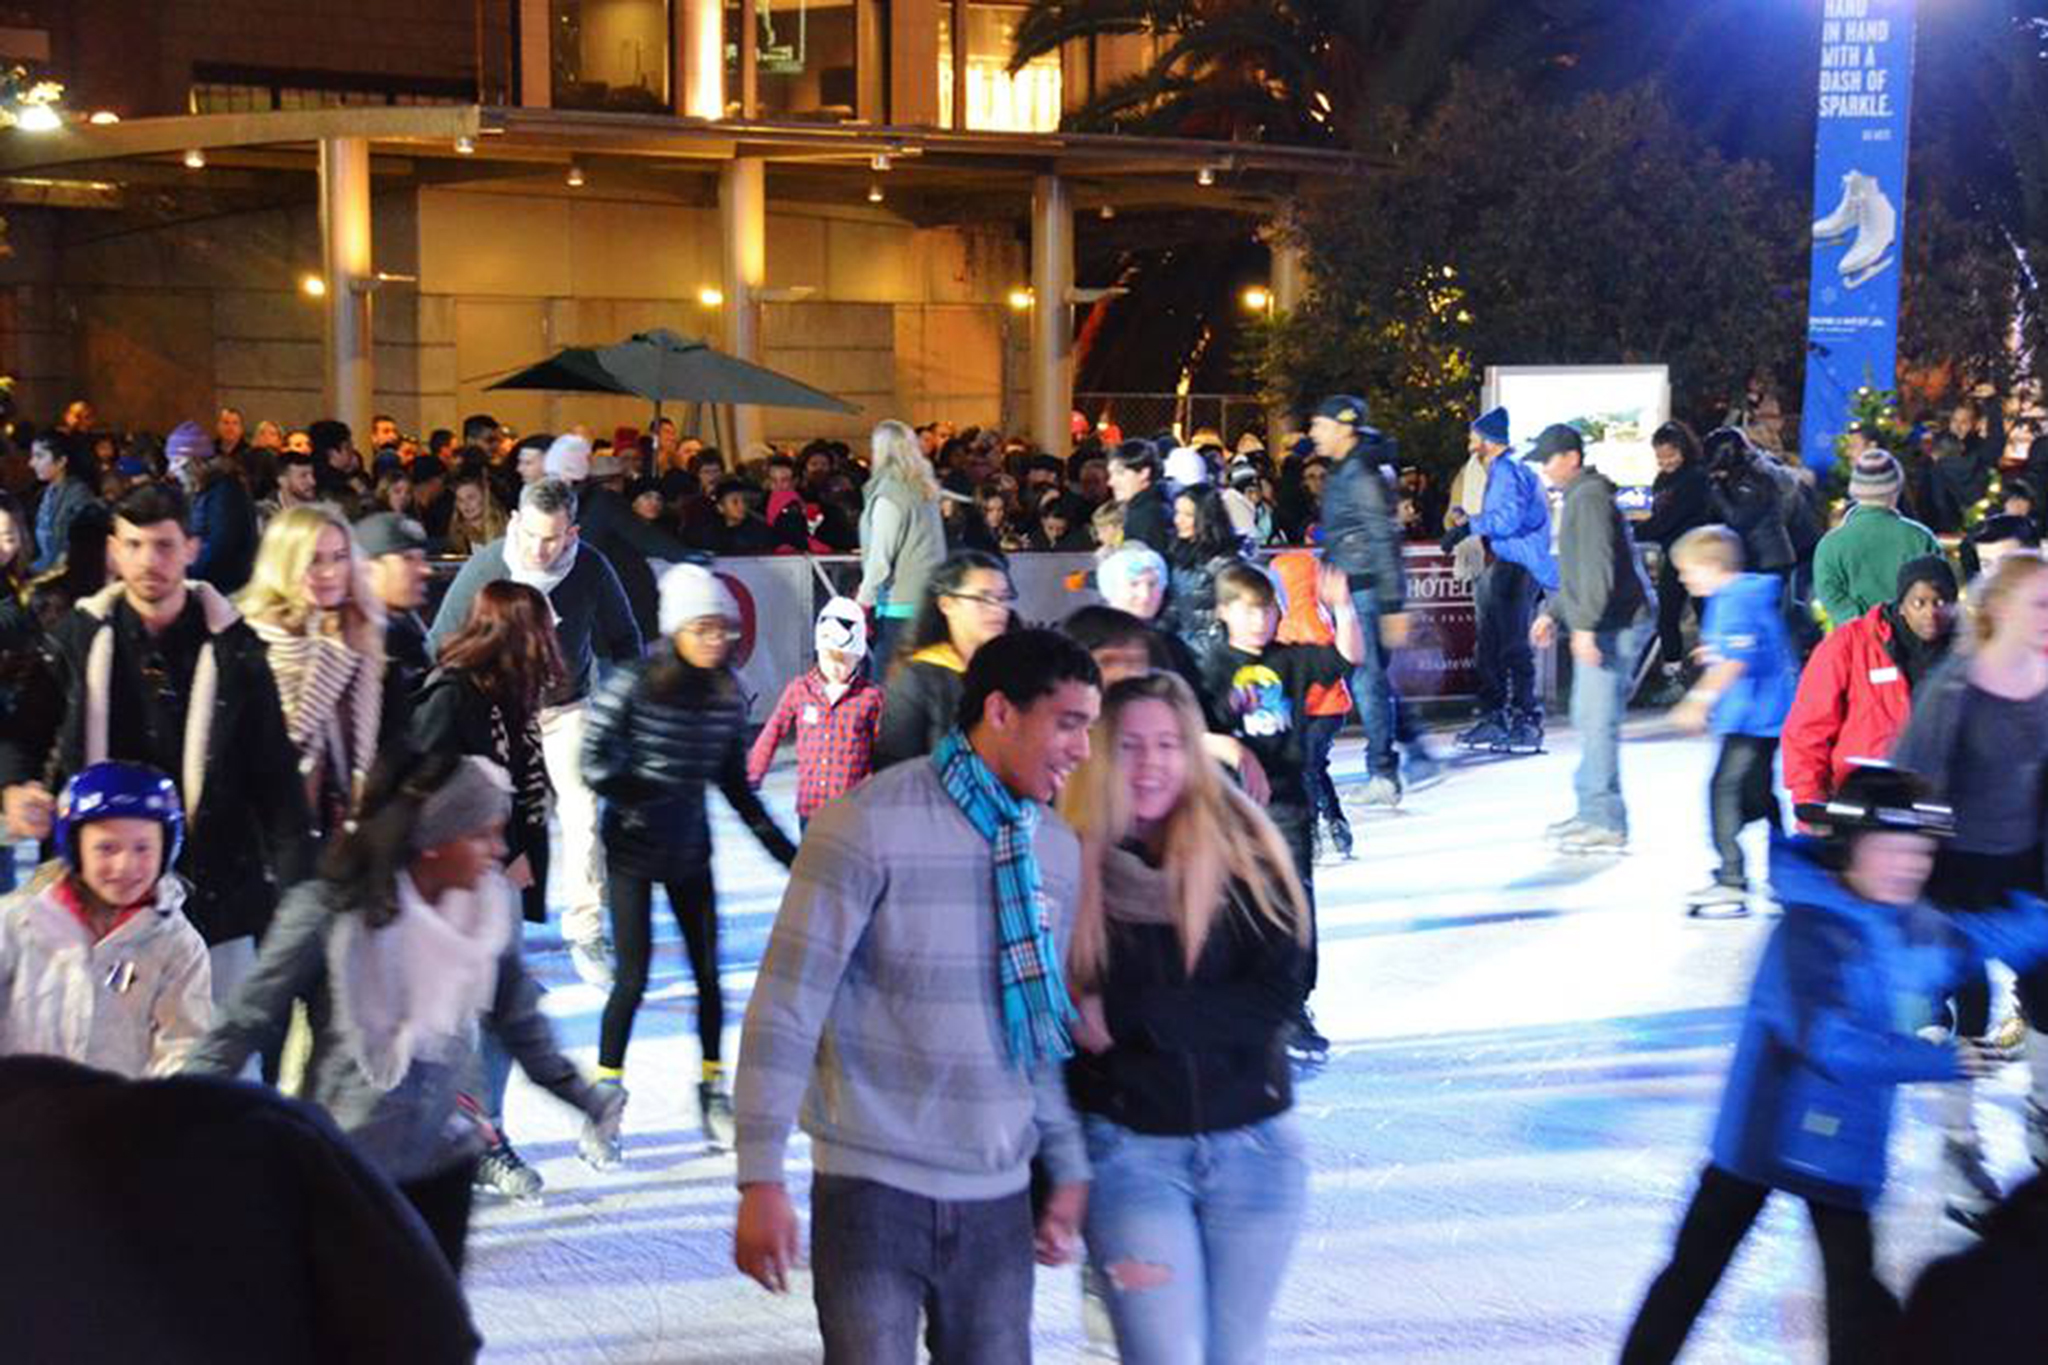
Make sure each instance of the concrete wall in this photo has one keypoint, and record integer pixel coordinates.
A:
(904, 321)
(158, 324)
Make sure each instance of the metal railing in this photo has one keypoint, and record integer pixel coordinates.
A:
(1230, 415)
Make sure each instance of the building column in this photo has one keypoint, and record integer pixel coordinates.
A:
(1052, 327)
(1289, 287)
(700, 59)
(743, 231)
(350, 274)
(536, 55)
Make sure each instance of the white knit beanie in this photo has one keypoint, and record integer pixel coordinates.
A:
(690, 592)
(567, 459)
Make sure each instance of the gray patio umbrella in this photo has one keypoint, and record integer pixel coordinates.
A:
(664, 367)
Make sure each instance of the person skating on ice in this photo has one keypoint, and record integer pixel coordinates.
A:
(1823, 1050)
(1514, 525)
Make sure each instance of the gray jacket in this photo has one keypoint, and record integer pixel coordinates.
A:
(410, 1131)
(1601, 583)
(902, 539)
(878, 1011)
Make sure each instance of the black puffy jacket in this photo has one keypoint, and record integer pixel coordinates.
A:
(660, 732)
(1752, 504)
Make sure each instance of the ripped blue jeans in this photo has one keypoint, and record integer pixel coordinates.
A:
(1191, 1236)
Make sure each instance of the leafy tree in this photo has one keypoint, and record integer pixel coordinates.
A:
(1517, 231)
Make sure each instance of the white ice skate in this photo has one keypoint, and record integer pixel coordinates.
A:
(1843, 220)
(1877, 227)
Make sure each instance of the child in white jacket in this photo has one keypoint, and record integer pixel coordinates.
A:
(97, 960)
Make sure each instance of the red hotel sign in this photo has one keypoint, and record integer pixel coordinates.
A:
(1443, 633)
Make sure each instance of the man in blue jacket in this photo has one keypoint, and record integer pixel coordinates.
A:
(1824, 1049)
(1514, 521)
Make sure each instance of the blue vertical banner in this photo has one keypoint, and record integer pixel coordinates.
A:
(1859, 213)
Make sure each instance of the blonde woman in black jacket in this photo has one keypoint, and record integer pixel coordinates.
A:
(1190, 960)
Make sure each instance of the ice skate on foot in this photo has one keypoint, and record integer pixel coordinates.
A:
(714, 1106)
(599, 1144)
(1340, 836)
(1594, 839)
(1381, 792)
(1974, 1193)
(501, 1171)
(1718, 900)
(592, 959)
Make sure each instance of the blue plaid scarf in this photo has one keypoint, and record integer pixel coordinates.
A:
(1035, 1004)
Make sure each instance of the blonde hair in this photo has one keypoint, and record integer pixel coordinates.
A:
(276, 594)
(1989, 593)
(1715, 545)
(898, 455)
(1216, 839)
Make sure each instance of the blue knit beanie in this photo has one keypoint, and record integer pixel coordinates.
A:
(1492, 426)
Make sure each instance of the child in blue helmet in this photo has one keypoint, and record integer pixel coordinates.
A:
(97, 960)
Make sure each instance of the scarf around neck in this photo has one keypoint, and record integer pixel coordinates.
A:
(414, 987)
(544, 581)
(1034, 998)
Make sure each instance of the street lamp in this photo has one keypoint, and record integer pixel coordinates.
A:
(1258, 299)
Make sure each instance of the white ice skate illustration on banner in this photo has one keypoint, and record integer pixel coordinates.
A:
(1865, 211)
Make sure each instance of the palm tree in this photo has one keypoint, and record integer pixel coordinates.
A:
(1293, 71)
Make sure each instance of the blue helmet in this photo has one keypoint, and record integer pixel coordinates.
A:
(112, 791)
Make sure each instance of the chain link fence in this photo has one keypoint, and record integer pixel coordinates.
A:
(1229, 415)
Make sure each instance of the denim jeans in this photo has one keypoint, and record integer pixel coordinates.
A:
(881, 1257)
(1599, 697)
(1192, 1236)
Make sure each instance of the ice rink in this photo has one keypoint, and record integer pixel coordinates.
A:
(1527, 1053)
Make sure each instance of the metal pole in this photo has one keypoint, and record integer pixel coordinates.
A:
(743, 224)
(1052, 328)
(350, 275)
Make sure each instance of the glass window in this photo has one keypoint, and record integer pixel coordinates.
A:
(806, 53)
(1027, 102)
(610, 54)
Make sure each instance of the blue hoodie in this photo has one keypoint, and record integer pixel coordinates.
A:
(1515, 519)
(1829, 1035)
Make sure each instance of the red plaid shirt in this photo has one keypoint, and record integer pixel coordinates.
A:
(835, 741)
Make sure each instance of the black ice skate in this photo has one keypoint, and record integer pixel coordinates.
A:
(1490, 731)
(1524, 735)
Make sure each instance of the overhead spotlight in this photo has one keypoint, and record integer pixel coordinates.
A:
(38, 118)
(195, 160)
(464, 146)
(312, 286)
(1106, 212)
(1020, 299)
(575, 176)
(880, 161)
(874, 192)
(711, 296)
(103, 117)
(1205, 176)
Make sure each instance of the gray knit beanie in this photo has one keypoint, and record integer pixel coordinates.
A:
(477, 795)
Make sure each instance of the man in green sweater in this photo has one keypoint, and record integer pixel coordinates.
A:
(1856, 565)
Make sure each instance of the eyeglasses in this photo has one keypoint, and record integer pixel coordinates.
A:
(984, 599)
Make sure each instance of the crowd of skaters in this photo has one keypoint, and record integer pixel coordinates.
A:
(294, 830)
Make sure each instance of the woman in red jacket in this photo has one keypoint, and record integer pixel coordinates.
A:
(1857, 689)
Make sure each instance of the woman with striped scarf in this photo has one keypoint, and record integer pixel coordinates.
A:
(323, 633)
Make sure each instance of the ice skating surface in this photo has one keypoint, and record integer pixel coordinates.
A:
(1528, 1049)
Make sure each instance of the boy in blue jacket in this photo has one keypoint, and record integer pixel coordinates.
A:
(1826, 1042)
(1752, 674)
